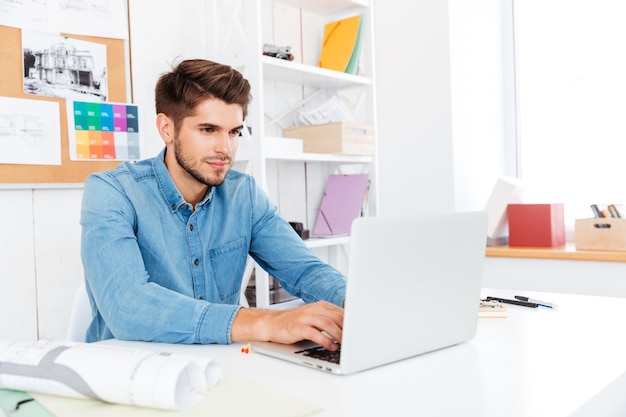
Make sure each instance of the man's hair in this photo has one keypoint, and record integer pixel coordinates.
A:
(179, 91)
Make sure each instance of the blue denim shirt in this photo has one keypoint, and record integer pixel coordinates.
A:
(158, 271)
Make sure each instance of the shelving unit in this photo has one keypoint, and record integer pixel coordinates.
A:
(295, 181)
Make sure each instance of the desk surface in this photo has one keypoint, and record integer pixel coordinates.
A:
(535, 362)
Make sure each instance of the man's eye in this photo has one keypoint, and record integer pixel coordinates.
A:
(206, 129)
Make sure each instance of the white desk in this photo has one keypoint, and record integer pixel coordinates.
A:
(535, 362)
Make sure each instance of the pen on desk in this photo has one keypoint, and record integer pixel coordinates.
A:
(514, 302)
(538, 302)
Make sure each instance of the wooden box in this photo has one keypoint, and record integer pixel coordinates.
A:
(601, 234)
(337, 137)
(537, 225)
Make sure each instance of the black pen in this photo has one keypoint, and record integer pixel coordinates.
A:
(538, 302)
(515, 302)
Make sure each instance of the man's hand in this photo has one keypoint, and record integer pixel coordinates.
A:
(306, 322)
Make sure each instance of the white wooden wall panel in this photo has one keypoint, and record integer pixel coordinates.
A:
(292, 191)
(57, 257)
(312, 37)
(18, 307)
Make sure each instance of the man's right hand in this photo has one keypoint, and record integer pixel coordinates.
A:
(305, 322)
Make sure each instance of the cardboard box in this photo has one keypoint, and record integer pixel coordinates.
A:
(541, 225)
(337, 137)
(600, 234)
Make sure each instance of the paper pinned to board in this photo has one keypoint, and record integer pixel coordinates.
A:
(110, 374)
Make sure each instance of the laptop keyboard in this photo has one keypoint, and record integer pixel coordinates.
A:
(322, 353)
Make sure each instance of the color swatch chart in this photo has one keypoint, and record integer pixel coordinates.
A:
(104, 131)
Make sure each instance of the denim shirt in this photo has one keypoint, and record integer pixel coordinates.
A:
(156, 270)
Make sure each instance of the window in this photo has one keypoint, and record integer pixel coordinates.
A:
(571, 93)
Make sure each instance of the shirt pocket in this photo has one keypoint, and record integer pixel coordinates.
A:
(228, 263)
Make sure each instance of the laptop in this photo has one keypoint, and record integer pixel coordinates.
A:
(413, 287)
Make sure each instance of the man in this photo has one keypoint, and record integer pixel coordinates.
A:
(165, 240)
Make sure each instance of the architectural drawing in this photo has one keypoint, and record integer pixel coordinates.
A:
(30, 132)
(22, 127)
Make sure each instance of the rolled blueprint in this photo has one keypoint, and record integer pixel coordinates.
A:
(110, 374)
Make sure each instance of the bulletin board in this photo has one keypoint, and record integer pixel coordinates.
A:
(11, 85)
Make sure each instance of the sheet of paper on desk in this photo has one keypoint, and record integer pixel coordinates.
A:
(232, 397)
(110, 374)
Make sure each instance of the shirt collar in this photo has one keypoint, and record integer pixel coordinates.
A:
(172, 196)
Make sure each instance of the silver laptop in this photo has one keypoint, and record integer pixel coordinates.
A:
(413, 287)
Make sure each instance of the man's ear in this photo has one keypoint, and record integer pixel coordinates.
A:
(165, 127)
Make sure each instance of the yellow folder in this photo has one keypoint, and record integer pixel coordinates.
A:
(340, 43)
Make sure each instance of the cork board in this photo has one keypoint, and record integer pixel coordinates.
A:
(11, 85)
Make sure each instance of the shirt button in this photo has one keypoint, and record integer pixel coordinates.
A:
(200, 298)
(186, 207)
(173, 206)
(191, 227)
(196, 262)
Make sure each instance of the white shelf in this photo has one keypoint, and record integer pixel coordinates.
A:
(244, 153)
(322, 157)
(322, 242)
(43, 186)
(326, 6)
(244, 156)
(276, 69)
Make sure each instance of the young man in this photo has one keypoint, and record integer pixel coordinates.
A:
(165, 240)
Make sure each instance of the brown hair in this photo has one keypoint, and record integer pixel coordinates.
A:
(179, 91)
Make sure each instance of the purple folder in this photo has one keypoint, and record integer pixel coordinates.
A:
(343, 201)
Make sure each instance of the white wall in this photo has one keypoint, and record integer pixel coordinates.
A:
(158, 44)
(445, 103)
(414, 116)
(483, 101)
(18, 306)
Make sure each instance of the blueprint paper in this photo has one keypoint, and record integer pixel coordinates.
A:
(110, 374)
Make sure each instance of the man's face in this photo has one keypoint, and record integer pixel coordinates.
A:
(207, 141)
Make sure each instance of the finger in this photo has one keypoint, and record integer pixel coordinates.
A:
(334, 333)
(329, 310)
(329, 329)
(318, 337)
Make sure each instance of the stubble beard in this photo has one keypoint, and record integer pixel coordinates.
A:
(194, 170)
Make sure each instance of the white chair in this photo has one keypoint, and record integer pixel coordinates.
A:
(80, 317)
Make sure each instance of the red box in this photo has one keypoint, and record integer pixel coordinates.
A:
(536, 225)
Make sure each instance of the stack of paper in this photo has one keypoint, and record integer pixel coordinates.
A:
(333, 110)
